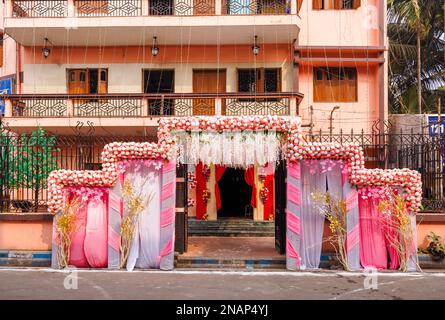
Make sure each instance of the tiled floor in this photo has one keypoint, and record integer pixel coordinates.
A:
(232, 247)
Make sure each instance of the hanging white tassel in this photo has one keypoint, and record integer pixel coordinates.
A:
(227, 149)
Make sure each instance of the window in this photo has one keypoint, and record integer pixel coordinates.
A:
(335, 4)
(259, 80)
(87, 81)
(159, 81)
(335, 84)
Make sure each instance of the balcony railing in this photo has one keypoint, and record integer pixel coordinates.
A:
(150, 105)
(131, 8)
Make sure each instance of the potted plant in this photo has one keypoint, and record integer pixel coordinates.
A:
(436, 247)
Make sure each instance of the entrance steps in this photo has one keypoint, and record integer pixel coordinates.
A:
(226, 263)
(231, 228)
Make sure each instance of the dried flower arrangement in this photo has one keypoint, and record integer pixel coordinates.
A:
(334, 210)
(134, 205)
(65, 224)
(397, 225)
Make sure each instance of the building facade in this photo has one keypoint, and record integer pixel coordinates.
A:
(120, 65)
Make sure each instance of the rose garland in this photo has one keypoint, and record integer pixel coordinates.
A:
(264, 194)
(352, 155)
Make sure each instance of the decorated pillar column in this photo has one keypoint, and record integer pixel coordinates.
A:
(168, 203)
(115, 213)
(293, 228)
(350, 195)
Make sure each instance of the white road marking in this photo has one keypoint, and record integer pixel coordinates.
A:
(242, 273)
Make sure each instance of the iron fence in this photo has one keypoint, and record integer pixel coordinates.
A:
(26, 160)
(386, 150)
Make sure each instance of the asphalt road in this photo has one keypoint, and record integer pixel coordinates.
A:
(35, 283)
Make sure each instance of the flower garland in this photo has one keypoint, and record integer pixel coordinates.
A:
(205, 196)
(296, 150)
(264, 194)
(191, 180)
(191, 202)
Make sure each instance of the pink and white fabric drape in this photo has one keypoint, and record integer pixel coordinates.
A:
(89, 242)
(312, 222)
(304, 221)
(145, 177)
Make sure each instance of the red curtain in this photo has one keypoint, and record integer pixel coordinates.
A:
(201, 184)
(219, 172)
(250, 180)
(269, 183)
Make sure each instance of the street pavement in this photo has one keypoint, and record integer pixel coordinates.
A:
(35, 283)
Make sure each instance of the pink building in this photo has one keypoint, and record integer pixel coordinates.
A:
(121, 64)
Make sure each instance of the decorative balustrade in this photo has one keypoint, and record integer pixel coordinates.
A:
(104, 8)
(39, 107)
(39, 9)
(150, 105)
(131, 8)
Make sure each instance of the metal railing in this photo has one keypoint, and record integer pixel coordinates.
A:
(108, 8)
(131, 8)
(39, 9)
(386, 150)
(152, 105)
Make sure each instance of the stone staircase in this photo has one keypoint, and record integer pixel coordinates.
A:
(231, 228)
(227, 263)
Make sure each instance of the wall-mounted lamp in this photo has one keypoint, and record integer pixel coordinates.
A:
(45, 50)
(155, 48)
(255, 47)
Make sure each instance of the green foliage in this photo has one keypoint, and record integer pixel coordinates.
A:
(436, 247)
(406, 20)
(27, 160)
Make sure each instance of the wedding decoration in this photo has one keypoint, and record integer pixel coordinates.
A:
(205, 196)
(191, 178)
(334, 210)
(229, 141)
(397, 225)
(206, 172)
(135, 203)
(241, 142)
(65, 226)
(264, 194)
(190, 202)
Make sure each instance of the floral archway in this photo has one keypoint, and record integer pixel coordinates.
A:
(118, 229)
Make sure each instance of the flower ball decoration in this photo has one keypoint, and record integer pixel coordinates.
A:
(264, 194)
(112, 154)
(190, 202)
(205, 196)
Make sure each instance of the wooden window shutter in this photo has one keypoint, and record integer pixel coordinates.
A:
(317, 4)
(356, 4)
(338, 4)
(259, 84)
(102, 81)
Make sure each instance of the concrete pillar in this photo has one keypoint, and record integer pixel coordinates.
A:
(144, 106)
(218, 106)
(70, 107)
(293, 106)
(8, 108)
(145, 8)
(218, 7)
(8, 12)
(71, 8)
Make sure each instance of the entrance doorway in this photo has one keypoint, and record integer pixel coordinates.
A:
(235, 194)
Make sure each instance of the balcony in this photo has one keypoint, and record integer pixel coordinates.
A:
(124, 22)
(60, 113)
